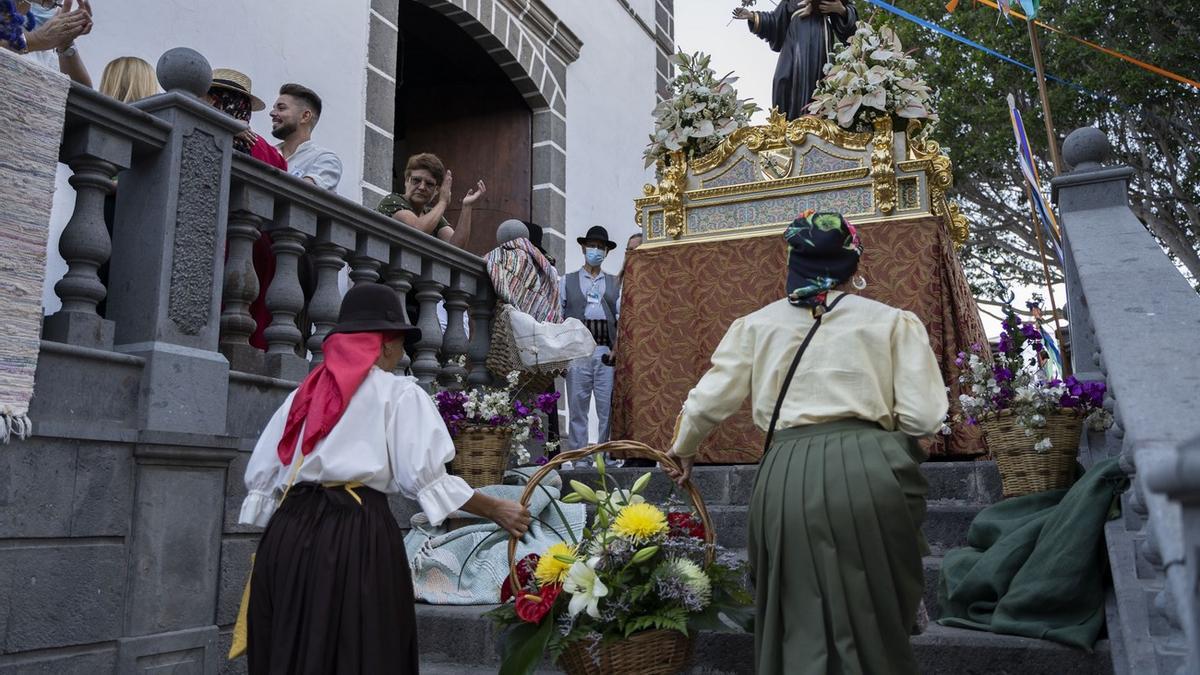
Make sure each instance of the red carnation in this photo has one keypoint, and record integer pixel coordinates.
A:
(533, 608)
(684, 523)
(525, 568)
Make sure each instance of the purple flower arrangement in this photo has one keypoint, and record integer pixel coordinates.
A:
(497, 408)
(1009, 379)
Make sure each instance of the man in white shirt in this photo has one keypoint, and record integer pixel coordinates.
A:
(293, 118)
(593, 297)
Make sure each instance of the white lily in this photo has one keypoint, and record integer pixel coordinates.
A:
(585, 588)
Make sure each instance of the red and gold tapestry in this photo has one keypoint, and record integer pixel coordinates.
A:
(678, 301)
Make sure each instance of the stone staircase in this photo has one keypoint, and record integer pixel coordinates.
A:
(457, 640)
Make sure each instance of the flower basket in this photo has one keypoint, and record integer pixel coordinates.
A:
(481, 455)
(651, 652)
(1024, 470)
(648, 652)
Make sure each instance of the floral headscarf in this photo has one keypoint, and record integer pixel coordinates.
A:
(823, 251)
(237, 106)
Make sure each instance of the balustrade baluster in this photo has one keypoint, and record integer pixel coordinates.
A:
(95, 155)
(370, 253)
(434, 277)
(483, 305)
(249, 208)
(403, 268)
(328, 256)
(454, 343)
(285, 299)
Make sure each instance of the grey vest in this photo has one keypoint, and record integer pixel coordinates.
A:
(576, 302)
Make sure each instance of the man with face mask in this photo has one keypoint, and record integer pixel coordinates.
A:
(593, 297)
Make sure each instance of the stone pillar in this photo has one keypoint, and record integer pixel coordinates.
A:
(434, 277)
(249, 208)
(370, 253)
(328, 255)
(483, 305)
(169, 253)
(95, 155)
(454, 343)
(403, 267)
(290, 231)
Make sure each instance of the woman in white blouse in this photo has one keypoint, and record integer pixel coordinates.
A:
(330, 591)
(835, 542)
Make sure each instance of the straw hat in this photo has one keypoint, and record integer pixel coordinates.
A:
(233, 80)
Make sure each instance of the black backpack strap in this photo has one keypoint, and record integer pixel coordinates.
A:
(787, 380)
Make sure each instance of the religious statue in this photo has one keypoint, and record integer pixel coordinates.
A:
(802, 31)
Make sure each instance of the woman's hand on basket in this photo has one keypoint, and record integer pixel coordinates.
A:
(684, 474)
(512, 516)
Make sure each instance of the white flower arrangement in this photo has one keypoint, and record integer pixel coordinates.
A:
(701, 112)
(871, 76)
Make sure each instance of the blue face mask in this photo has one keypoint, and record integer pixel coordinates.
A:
(594, 256)
(41, 14)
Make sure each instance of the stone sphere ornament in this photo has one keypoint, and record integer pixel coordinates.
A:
(1086, 149)
(186, 70)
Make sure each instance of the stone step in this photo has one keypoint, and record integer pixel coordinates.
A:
(459, 640)
(964, 482)
(945, 525)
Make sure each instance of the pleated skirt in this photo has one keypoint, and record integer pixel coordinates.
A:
(331, 591)
(835, 548)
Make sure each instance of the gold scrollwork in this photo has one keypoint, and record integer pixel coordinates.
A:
(927, 155)
(883, 167)
(670, 192)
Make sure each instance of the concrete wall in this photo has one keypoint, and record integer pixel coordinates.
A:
(611, 91)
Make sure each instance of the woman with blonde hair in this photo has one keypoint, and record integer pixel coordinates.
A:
(128, 79)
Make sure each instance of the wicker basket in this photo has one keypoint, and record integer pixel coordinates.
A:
(650, 652)
(504, 356)
(481, 455)
(1024, 470)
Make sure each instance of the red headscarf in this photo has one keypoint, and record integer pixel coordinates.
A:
(325, 393)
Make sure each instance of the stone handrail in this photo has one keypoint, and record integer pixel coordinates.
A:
(1135, 321)
(166, 274)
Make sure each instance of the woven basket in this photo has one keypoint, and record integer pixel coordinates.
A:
(650, 652)
(481, 455)
(504, 356)
(1024, 470)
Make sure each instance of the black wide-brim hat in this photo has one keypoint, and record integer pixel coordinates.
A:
(597, 233)
(374, 308)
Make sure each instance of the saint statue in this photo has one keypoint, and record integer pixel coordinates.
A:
(803, 32)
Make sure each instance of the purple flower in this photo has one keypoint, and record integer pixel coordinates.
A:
(1002, 374)
(521, 409)
(1030, 332)
(1005, 344)
(540, 461)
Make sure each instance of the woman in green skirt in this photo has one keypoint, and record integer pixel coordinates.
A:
(835, 519)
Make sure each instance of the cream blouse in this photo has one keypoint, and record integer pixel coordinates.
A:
(868, 361)
(390, 438)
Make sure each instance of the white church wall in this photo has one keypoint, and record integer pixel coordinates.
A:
(610, 95)
(322, 45)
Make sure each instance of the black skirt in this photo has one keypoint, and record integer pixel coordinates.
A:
(331, 590)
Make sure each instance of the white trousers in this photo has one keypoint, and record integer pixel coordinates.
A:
(585, 379)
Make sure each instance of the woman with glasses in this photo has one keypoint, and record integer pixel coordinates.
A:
(427, 195)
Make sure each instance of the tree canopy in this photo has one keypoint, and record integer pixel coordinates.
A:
(1153, 122)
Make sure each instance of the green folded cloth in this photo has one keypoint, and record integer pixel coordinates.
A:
(1036, 565)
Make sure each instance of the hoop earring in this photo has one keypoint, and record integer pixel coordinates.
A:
(859, 282)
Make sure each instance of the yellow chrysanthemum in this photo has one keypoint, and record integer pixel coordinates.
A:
(551, 570)
(640, 522)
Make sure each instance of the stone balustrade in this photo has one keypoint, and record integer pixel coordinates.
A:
(189, 214)
(1134, 321)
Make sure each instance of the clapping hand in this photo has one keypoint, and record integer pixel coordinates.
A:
(473, 194)
(60, 31)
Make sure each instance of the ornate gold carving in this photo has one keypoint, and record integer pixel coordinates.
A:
(883, 166)
(926, 155)
(778, 133)
(794, 181)
(827, 130)
(670, 192)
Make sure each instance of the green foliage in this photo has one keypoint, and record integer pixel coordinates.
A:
(1153, 122)
(668, 618)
